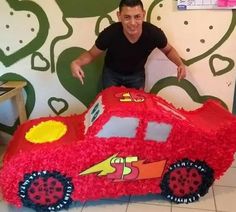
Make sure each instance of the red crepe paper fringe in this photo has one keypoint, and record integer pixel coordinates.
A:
(76, 152)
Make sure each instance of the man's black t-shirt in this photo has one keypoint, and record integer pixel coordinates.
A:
(125, 57)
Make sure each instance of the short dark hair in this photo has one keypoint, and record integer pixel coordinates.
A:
(130, 3)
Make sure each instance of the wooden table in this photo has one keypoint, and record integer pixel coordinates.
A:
(16, 94)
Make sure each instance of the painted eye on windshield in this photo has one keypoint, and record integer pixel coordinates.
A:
(95, 115)
(95, 108)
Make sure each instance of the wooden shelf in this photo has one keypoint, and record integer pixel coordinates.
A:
(16, 94)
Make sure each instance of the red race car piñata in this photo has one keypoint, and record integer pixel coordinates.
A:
(128, 142)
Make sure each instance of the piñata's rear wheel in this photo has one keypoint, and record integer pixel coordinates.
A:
(186, 181)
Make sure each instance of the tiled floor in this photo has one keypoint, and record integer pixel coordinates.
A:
(221, 198)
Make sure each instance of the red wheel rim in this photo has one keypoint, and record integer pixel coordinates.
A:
(46, 191)
(185, 181)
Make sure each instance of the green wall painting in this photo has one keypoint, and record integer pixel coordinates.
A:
(160, 4)
(228, 66)
(39, 62)
(186, 86)
(54, 100)
(38, 38)
(92, 84)
(83, 8)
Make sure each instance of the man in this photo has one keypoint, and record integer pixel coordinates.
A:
(128, 44)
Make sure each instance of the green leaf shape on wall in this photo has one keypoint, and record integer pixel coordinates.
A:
(92, 81)
(30, 99)
(185, 85)
(229, 67)
(37, 42)
(85, 8)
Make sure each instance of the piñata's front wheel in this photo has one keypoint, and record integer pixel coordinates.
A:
(186, 181)
(46, 191)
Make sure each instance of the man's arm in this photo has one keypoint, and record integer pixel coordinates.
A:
(173, 56)
(84, 59)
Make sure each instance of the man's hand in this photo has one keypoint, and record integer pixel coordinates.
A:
(173, 56)
(181, 72)
(84, 59)
(77, 71)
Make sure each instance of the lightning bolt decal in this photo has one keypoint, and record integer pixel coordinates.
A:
(104, 168)
(129, 168)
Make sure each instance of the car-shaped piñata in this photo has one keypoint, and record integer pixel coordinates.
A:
(128, 142)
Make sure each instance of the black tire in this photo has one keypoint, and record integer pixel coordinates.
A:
(46, 191)
(186, 181)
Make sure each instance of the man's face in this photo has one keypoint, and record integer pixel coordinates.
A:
(131, 19)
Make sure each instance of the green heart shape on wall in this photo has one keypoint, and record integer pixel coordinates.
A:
(39, 62)
(92, 82)
(58, 105)
(160, 4)
(220, 59)
(37, 41)
(187, 87)
(30, 100)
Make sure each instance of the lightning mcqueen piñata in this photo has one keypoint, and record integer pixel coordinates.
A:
(128, 142)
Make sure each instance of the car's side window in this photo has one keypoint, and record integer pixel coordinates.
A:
(119, 127)
(157, 131)
(93, 113)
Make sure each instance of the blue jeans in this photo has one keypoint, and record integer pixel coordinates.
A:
(112, 78)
